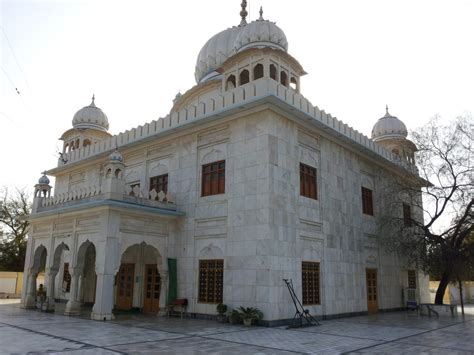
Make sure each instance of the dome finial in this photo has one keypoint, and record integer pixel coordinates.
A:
(93, 100)
(386, 111)
(261, 14)
(243, 13)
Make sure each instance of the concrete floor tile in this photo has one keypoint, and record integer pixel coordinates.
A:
(26, 331)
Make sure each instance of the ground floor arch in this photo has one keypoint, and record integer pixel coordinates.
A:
(140, 282)
(34, 291)
(83, 279)
(52, 273)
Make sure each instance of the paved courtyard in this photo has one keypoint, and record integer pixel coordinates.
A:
(23, 331)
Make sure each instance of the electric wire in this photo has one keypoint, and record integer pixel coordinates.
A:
(15, 58)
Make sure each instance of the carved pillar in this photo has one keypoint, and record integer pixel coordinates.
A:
(104, 299)
(30, 300)
(49, 284)
(163, 292)
(73, 305)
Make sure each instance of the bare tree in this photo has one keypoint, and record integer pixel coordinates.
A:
(14, 211)
(428, 219)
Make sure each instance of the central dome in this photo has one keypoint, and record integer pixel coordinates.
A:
(261, 33)
(215, 52)
(389, 127)
(91, 117)
(257, 34)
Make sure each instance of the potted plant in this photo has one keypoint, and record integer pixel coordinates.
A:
(234, 317)
(221, 316)
(250, 314)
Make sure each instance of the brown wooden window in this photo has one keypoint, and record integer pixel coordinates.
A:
(211, 281)
(407, 215)
(367, 203)
(66, 278)
(213, 178)
(411, 279)
(159, 183)
(308, 182)
(310, 279)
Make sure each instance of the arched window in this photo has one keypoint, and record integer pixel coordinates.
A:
(273, 72)
(244, 77)
(117, 173)
(86, 143)
(283, 78)
(395, 151)
(258, 72)
(230, 84)
(293, 83)
(77, 143)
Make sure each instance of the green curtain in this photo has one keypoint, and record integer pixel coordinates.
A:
(173, 280)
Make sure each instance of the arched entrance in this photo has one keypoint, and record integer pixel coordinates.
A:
(52, 274)
(139, 281)
(83, 279)
(39, 265)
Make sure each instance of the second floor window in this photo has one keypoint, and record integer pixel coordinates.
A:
(308, 182)
(407, 215)
(159, 183)
(213, 178)
(367, 202)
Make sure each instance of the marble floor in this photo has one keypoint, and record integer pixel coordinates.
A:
(26, 331)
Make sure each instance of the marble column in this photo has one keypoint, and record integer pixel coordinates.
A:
(30, 300)
(163, 293)
(104, 297)
(50, 283)
(73, 306)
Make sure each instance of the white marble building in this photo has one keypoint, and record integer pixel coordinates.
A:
(244, 183)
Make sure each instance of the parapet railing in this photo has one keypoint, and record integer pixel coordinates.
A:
(243, 94)
(95, 193)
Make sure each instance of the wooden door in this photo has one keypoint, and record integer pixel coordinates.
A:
(125, 281)
(371, 279)
(152, 289)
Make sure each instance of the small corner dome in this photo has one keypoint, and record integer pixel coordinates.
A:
(43, 180)
(91, 117)
(261, 33)
(116, 157)
(389, 127)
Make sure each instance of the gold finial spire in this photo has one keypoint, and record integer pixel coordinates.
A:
(261, 14)
(243, 13)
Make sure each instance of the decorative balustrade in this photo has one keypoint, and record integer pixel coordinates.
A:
(81, 193)
(95, 193)
(247, 93)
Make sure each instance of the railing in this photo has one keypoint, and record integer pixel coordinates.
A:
(94, 193)
(79, 194)
(230, 99)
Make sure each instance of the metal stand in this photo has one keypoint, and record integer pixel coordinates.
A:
(301, 314)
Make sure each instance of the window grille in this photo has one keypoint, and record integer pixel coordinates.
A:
(211, 281)
(310, 280)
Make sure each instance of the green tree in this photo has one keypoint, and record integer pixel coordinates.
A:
(14, 211)
(442, 201)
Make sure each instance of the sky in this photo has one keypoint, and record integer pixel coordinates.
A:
(415, 56)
